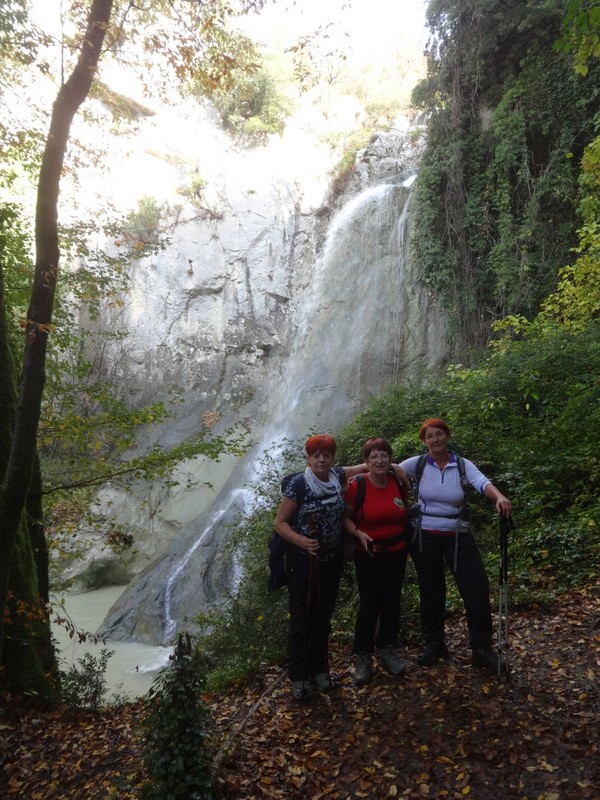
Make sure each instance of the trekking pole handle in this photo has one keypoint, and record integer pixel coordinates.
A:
(313, 532)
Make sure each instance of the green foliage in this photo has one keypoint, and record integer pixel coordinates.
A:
(350, 144)
(254, 105)
(524, 415)
(18, 40)
(140, 230)
(576, 301)
(496, 196)
(581, 33)
(556, 555)
(85, 687)
(16, 267)
(176, 746)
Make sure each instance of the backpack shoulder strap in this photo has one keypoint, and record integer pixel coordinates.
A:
(418, 475)
(460, 463)
(361, 490)
(298, 478)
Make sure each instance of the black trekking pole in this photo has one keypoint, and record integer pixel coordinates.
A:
(506, 525)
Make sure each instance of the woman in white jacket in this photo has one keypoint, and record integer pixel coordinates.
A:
(443, 535)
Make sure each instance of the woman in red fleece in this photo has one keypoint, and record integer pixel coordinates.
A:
(380, 559)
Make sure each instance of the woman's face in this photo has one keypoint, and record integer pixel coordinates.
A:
(379, 462)
(320, 463)
(436, 440)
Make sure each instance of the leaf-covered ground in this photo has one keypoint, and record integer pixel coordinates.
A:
(445, 732)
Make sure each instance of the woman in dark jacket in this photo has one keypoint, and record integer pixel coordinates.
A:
(309, 518)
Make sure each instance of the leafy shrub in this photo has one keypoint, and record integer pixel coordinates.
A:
(523, 415)
(176, 751)
(254, 106)
(141, 228)
(85, 687)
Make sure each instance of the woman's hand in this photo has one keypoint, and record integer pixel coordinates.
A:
(310, 545)
(364, 538)
(401, 474)
(503, 506)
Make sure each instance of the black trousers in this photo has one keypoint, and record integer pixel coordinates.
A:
(471, 581)
(379, 581)
(313, 589)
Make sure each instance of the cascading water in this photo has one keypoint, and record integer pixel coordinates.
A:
(347, 343)
(347, 347)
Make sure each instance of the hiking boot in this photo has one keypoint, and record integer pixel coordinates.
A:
(323, 682)
(302, 691)
(485, 658)
(391, 660)
(363, 672)
(433, 653)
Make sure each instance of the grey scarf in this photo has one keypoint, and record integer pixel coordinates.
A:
(326, 491)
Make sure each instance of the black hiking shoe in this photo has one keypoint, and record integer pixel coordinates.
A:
(302, 691)
(323, 682)
(486, 659)
(433, 653)
(363, 672)
(391, 660)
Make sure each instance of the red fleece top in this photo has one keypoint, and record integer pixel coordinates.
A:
(383, 513)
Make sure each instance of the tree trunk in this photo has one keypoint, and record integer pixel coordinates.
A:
(17, 478)
(28, 655)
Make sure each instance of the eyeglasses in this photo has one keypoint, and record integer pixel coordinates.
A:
(379, 457)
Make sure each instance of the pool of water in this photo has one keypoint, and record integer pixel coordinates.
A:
(132, 668)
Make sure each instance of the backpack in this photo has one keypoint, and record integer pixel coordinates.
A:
(277, 545)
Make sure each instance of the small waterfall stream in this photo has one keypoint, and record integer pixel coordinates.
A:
(347, 347)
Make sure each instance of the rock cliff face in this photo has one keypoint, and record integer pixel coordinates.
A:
(274, 306)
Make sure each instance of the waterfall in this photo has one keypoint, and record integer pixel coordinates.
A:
(347, 348)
